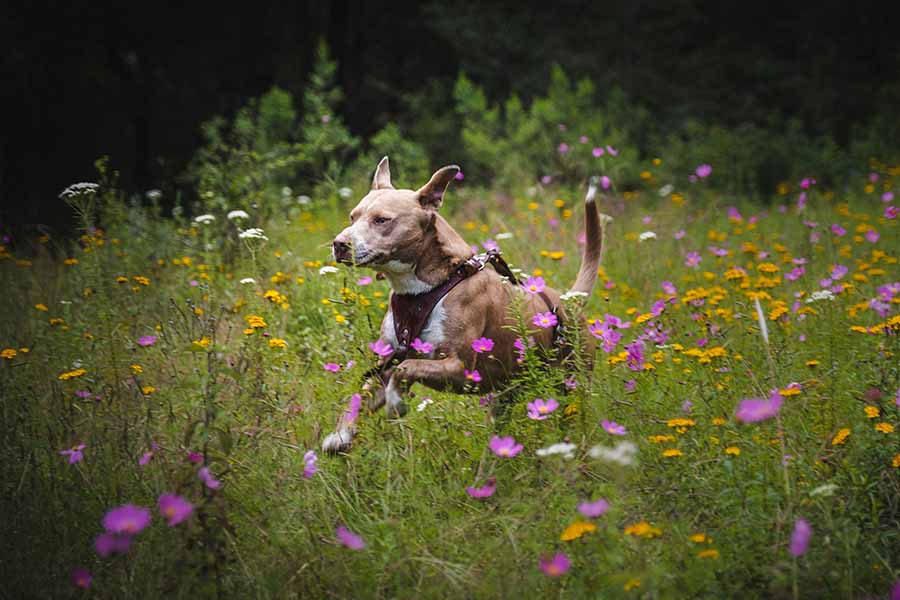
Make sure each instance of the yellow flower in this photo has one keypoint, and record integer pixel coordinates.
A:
(718, 421)
(41, 307)
(249, 331)
(698, 538)
(896, 462)
(277, 343)
(8, 353)
(884, 427)
(576, 530)
(631, 584)
(148, 389)
(671, 452)
(340, 318)
(137, 369)
(72, 374)
(141, 279)
(840, 437)
(255, 321)
(56, 321)
(789, 391)
(872, 412)
(202, 343)
(767, 267)
(70, 261)
(733, 450)
(710, 553)
(659, 439)
(121, 279)
(812, 363)
(643, 529)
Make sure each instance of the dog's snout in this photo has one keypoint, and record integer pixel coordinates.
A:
(341, 250)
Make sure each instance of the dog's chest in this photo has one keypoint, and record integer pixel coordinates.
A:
(432, 333)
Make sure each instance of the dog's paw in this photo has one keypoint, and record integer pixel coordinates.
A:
(339, 441)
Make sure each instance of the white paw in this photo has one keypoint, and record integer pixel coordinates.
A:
(339, 441)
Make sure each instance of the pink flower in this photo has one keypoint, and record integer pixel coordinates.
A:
(349, 539)
(490, 245)
(473, 375)
(381, 348)
(612, 151)
(310, 463)
(583, 139)
(807, 182)
(546, 179)
(147, 340)
(540, 409)
(692, 259)
(110, 543)
(872, 236)
(630, 385)
(679, 234)
(545, 320)
(127, 519)
(421, 347)
(483, 344)
(534, 285)
(753, 410)
(364, 280)
(82, 578)
(145, 458)
(838, 230)
(208, 480)
(605, 182)
(890, 212)
(485, 491)
(669, 288)
(505, 446)
(563, 148)
(703, 171)
(195, 457)
(174, 508)
(593, 509)
(332, 367)
(353, 409)
(613, 428)
(839, 271)
(887, 197)
(459, 176)
(800, 537)
(555, 566)
(75, 453)
(597, 152)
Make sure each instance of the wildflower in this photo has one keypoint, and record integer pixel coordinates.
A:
(753, 410)
(426, 348)
(331, 367)
(593, 509)
(254, 233)
(82, 578)
(72, 374)
(204, 219)
(110, 543)
(896, 462)
(505, 446)
(148, 389)
(146, 340)
(349, 539)
(820, 295)
(473, 375)
(576, 530)
(708, 553)
(613, 428)
(699, 538)
(800, 537)
(483, 344)
(77, 189)
(208, 479)
(643, 529)
(647, 235)
(563, 448)
(145, 458)
(237, 214)
(41, 307)
(534, 285)
(485, 491)
(733, 451)
(540, 409)
(174, 508)
(692, 259)
(622, 454)
(703, 171)
(631, 584)
(884, 427)
(247, 280)
(364, 280)
(672, 452)
(597, 152)
(381, 348)
(679, 234)
(545, 319)
(310, 463)
(891, 212)
(127, 519)
(328, 269)
(75, 453)
(840, 437)
(872, 412)
(557, 565)
(8, 353)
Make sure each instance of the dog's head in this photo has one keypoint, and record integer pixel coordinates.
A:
(391, 226)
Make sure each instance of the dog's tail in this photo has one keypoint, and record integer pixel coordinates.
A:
(594, 229)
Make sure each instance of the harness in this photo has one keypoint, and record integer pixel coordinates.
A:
(411, 311)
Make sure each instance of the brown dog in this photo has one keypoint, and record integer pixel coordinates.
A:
(400, 233)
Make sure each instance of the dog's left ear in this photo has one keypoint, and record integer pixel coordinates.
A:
(431, 195)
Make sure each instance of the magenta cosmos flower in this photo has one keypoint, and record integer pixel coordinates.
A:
(703, 171)
(485, 491)
(613, 428)
(540, 409)
(545, 320)
(692, 259)
(473, 375)
(605, 182)
(310, 464)
(753, 410)
(534, 285)
(800, 537)
(74, 453)
(593, 509)
(110, 543)
(353, 409)
(891, 212)
(598, 152)
(82, 578)
(127, 519)
(147, 340)
(557, 565)
(349, 539)
(174, 508)
(332, 367)
(364, 280)
(381, 348)
(421, 347)
(505, 446)
(208, 480)
(483, 344)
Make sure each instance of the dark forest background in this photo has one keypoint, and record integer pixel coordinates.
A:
(134, 80)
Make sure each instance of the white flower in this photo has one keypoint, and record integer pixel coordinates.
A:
(825, 490)
(153, 194)
(424, 403)
(327, 269)
(204, 219)
(647, 235)
(623, 454)
(563, 448)
(254, 233)
(571, 294)
(77, 189)
(286, 191)
(246, 280)
(666, 190)
(303, 199)
(503, 236)
(820, 295)
(345, 192)
(237, 214)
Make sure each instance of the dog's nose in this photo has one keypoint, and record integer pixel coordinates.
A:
(341, 250)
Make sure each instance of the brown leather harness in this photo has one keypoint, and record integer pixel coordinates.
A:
(411, 311)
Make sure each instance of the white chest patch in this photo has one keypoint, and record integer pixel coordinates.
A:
(403, 278)
(432, 333)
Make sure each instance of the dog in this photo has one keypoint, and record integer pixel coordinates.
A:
(401, 234)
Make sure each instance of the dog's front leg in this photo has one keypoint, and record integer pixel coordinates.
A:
(436, 374)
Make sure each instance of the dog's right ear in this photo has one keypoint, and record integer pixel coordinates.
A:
(431, 195)
(382, 179)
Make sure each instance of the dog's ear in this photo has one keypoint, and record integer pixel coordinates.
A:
(431, 195)
(382, 179)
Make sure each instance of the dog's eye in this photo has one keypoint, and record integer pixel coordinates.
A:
(380, 220)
